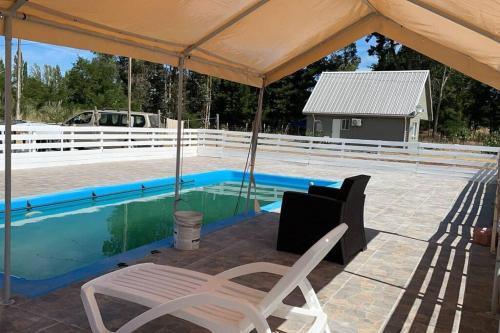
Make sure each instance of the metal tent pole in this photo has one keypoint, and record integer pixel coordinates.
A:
(129, 112)
(7, 155)
(180, 91)
(253, 143)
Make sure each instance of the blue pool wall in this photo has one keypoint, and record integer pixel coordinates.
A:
(33, 288)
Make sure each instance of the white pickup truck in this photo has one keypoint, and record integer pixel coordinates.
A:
(114, 118)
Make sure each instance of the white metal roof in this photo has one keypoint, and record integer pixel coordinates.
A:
(384, 93)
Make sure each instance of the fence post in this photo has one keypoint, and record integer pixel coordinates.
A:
(153, 133)
(418, 156)
(31, 141)
(309, 153)
(223, 144)
(72, 133)
(455, 147)
(102, 141)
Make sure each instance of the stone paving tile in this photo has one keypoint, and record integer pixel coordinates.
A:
(13, 319)
(420, 272)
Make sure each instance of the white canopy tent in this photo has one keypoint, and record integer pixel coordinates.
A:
(254, 42)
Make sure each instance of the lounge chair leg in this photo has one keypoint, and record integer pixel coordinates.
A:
(92, 311)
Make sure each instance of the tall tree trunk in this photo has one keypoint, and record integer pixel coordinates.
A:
(19, 78)
(444, 78)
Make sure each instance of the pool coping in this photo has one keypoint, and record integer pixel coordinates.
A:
(34, 288)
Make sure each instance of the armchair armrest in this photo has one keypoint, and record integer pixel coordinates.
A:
(329, 192)
(256, 267)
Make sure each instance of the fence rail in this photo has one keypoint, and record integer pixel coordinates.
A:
(39, 146)
(464, 160)
(45, 146)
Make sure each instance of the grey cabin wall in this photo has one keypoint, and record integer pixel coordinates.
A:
(373, 128)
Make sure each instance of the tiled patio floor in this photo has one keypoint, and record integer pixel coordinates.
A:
(420, 273)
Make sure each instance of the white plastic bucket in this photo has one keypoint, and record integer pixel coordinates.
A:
(187, 227)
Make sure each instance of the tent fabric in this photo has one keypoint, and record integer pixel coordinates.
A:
(257, 42)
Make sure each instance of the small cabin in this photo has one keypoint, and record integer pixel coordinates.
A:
(369, 105)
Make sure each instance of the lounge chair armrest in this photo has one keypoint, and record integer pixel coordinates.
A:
(255, 267)
(205, 298)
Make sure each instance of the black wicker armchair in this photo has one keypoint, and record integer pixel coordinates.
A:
(306, 217)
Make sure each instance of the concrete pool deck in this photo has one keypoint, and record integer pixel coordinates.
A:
(420, 272)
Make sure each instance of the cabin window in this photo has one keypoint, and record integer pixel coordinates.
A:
(345, 124)
(318, 126)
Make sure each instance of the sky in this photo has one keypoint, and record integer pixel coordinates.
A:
(41, 54)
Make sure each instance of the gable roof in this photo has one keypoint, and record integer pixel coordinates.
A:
(383, 93)
(257, 42)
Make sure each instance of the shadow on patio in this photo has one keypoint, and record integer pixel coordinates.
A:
(451, 288)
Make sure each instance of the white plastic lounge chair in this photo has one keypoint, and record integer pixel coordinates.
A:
(213, 302)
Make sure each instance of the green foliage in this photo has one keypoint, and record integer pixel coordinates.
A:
(464, 105)
(50, 112)
(492, 140)
(95, 83)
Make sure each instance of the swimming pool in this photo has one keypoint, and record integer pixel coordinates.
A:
(63, 237)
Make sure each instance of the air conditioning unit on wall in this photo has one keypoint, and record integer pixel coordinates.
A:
(355, 122)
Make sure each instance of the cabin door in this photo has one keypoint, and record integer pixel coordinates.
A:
(336, 128)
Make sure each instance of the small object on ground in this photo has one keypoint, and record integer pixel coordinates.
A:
(122, 264)
(187, 230)
(155, 251)
(482, 236)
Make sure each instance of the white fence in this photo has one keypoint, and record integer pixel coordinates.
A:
(44, 146)
(464, 160)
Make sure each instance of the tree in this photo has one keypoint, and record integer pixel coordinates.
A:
(95, 83)
(287, 97)
(456, 98)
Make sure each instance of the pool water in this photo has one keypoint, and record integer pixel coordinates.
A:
(55, 239)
